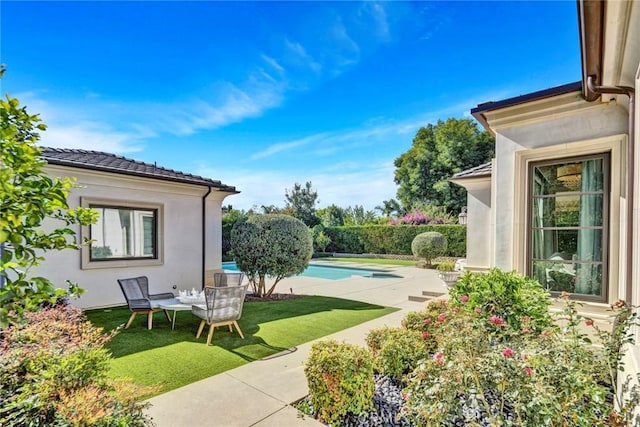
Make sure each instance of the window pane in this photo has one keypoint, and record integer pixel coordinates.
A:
(567, 225)
(123, 233)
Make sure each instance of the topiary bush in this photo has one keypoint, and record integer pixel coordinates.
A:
(429, 245)
(340, 380)
(54, 371)
(273, 245)
(397, 351)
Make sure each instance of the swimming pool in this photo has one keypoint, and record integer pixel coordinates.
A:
(323, 271)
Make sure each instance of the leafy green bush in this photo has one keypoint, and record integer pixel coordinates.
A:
(398, 351)
(53, 371)
(417, 320)
(340, 379)
(429, 245)
(506, 295)
(273, 245)
(517, 378)
(386, 239)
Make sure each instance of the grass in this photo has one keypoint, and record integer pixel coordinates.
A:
(381, 261)
(169, 359)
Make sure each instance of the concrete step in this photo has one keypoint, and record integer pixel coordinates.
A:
(426, 296)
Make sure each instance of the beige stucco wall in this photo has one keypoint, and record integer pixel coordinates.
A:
(181, 234)
(479, 222)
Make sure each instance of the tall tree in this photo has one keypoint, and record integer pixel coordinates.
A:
(331, 216)
(302, 201)
(438, 152)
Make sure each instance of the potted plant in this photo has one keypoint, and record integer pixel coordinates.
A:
(447, 273)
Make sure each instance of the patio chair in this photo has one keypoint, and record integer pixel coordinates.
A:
(227, 279)
(136, 292)
(223, 307)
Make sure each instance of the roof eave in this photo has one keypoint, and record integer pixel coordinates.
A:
(221, 187)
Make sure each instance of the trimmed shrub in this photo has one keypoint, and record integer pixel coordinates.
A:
(273, 245)
(340, 379)
(397, 351)
(396, 239)
(429, 245)
(506, 295)
(53, 371)
(416, 320)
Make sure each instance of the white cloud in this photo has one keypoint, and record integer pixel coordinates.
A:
(365, 186)
(286, 146)
(377, 11)
(299, 56)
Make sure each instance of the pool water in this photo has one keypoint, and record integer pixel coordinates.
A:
(323, 271)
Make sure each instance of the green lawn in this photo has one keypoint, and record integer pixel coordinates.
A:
(170, 359)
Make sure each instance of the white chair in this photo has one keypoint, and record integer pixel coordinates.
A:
(223, 307)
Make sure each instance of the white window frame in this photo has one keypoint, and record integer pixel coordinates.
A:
(85, 256)
(615, 145)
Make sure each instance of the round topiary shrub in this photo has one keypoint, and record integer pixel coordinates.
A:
(429, 245)
(340, 380)
(274, 245)
(398, 351)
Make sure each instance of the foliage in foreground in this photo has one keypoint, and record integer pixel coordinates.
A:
(515, 376)
(515, 367)
(28, 197)
(272, 245)
(53, 371)
(340, 379)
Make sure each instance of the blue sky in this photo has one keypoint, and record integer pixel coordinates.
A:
(261, 95)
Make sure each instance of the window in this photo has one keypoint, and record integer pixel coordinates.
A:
(123, 233)
(568, 225)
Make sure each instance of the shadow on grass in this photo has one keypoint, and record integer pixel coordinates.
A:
(254, 317)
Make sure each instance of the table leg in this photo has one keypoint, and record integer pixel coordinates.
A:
(173, 322)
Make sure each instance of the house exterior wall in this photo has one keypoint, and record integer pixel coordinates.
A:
(480, 222)
(179, 236)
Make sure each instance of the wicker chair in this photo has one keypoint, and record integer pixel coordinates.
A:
(223, 307)
(136, 292)
(227, 279)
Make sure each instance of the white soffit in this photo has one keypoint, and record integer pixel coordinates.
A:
(541, 110)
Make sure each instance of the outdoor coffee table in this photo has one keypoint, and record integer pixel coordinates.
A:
(178, 306)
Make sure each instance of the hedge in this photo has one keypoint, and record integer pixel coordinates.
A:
(392, 239)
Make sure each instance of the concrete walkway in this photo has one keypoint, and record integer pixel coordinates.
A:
(260, 393)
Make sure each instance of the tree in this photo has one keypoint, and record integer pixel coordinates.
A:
(390, 207)
(438, 152)
(331, 216)
(429, 245)
(273, 245)
(28, 197)
(357, 215)
(303, 203)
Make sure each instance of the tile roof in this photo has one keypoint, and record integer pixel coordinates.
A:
(107, 162)
(483, 170)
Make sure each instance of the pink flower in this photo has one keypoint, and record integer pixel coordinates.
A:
(442, 318)
(589, 322)
(528, 370)
(496, 320)
(406, 396)
(428, 321)
(439, 358)
(478, 310)
(426, 335)
(464, 299)
(456, 309)
(507, 352)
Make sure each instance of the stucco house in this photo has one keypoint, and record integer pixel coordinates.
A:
(559, 202)
(154, 221)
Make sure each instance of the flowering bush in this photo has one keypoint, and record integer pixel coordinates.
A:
(507, 296)
(485, 369)
(53, 371)
(398, 351)
(417, 218)
(340, 379)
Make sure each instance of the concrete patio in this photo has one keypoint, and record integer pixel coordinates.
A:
(260, 393)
